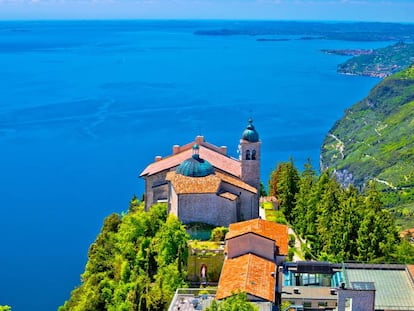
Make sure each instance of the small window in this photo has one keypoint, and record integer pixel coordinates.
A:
(247, 154)
(307, 304)
(254, 155)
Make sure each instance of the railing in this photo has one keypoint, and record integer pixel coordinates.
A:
(192, 298)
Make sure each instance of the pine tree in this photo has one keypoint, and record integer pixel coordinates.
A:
(377, 236)
(303, 206)
(327, 208)
(284, 184)
(348, 220)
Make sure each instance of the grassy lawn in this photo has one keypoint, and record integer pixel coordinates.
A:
(210, 245)
(267, 205)
(276, 216)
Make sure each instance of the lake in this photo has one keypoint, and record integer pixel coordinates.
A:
(86, 105)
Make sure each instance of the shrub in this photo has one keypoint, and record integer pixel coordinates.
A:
(291, 253)
(218, 234)
(292, 240)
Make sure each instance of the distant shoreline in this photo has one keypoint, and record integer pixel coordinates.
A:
(344, 31)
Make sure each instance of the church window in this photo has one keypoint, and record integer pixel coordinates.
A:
(254, 155)
(247, 154)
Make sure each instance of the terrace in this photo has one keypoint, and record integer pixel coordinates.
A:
(191, 299)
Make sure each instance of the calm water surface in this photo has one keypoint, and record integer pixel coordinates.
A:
(85, 106)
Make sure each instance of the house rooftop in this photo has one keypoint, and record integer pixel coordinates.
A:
(184, 184)
(248, 273)
(268, 229)
(410, 269)
(394, 287)
(216, 156)
(207, 184)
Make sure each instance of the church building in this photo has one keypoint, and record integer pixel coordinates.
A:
(201, 183)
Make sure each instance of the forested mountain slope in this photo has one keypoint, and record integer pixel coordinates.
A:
(374, 140)
(136, 262)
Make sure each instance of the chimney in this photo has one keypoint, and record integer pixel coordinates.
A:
(223, 150)
(199, 139)
(176, 149)
(158, 158)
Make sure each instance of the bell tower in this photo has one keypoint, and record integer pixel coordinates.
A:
(249, 155)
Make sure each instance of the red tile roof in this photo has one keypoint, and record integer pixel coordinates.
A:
(265, 228)
(236, 182)
(207, 152)
(410, 269)
(248, 273)
(228, 195)
(208, 184)
(407, 232)
(185, 185)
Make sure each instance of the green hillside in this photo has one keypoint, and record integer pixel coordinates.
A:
(374, 140)
(136, 262)
(380, 62)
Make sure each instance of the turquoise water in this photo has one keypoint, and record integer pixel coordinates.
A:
(85, 106)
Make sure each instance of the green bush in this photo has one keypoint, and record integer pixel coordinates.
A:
(292, 240)
(291, 253)
(218, 234)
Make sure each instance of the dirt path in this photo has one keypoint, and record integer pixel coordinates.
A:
(298, 256)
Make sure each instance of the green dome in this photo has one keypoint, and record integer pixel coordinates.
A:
(250, 134)
(195, 166)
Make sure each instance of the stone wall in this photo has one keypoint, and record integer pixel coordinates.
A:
(250, 169)
(173, 203)
(208, 208)
(249, 202)
(155, 188)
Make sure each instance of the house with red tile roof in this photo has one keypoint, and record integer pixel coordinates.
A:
(255, 248)
(249, 273)
(271, 237)
(202, 183)
(408, 234)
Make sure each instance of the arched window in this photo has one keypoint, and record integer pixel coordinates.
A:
(247, 154)
(254, 155)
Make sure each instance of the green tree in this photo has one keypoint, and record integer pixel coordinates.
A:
(404, 253)
(237, 302)
(218, 234)
(339, 224)
(347, 223)
(170, 243)
(377, 235)
(367, 241)
(310, 217)
(303, 209)
(134, 204)
(263, 192)
(327, 208)
(134, 264)
(5, 308)
(284, 184)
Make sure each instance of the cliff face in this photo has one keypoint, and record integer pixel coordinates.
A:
(374, 140)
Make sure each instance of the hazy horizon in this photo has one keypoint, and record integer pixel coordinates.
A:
(300, 10)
